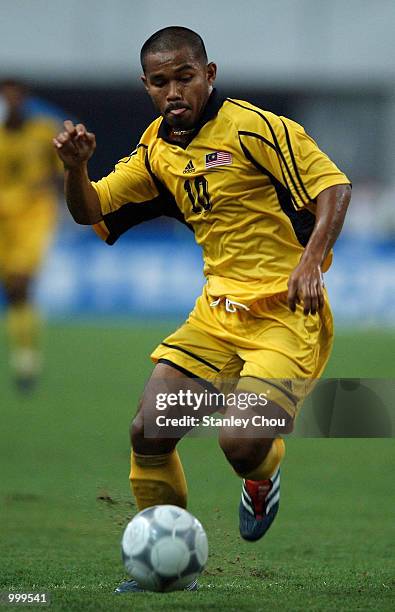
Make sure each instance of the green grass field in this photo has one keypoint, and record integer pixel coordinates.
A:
(64, 493)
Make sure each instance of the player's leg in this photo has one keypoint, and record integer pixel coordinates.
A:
(255, 452)
(289, 353)
(156, 475)
(196, 350)
(26, 238)
(189, 359)
(22, 326)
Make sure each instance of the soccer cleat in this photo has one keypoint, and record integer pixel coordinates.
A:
(131, 586)
(25, 385)
(260, 500)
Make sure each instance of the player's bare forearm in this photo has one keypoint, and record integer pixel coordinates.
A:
(82, 200)
(75, 146)
(306, 283)
(332, 204)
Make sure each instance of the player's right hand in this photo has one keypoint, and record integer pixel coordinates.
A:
(75, 145)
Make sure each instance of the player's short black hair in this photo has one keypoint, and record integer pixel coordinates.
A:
(171, 38)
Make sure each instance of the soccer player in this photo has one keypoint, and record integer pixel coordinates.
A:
(266, 205)
(29, 170)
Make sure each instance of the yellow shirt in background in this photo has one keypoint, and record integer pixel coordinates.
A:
(28, 165)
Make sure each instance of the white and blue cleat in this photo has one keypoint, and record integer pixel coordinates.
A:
(260, 500)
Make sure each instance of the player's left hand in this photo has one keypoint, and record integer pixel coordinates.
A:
(306, 286)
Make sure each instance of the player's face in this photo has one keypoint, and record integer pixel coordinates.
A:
(14, 97)
(179, 85)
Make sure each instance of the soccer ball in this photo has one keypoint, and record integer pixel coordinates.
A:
(164, 548)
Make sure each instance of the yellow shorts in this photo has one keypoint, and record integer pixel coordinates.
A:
(266, 344)
(25, 237)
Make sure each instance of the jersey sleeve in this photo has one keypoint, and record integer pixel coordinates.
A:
(131, 195)
(284, 151)
(128, 196)
(130, 181)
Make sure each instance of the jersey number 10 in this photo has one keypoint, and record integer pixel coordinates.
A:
(198, 194)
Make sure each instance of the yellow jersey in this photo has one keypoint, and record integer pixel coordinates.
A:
(246, 183)
(28, 165)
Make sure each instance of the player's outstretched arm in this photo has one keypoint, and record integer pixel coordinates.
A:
(306, 282)
(75, 146)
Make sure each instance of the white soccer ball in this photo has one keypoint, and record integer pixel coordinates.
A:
(164, 548)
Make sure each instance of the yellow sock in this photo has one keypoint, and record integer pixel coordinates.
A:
(158, 479)
(22, 324)
(270, 463)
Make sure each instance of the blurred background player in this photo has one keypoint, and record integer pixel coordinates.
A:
(29, 173)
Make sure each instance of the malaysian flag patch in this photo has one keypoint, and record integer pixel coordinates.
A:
(218, 158)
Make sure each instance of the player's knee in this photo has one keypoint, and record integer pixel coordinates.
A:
(140, 444)
(16, 289)
(244, 454)
(148, 446)
(136, 432)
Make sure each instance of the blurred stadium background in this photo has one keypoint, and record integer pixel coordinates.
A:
(326, 65)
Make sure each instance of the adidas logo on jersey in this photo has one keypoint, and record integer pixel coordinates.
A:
(189, 168)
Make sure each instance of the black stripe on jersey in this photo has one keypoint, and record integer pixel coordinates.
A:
(134, 152)
(259, 136)
(134, 213)
(182, 350)
(131, 214)
(277, 148)
(167, 196)
(170, 205)
(294, 161)
(170, 208)
(158, 184)
(302, 220)
(271, 145)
